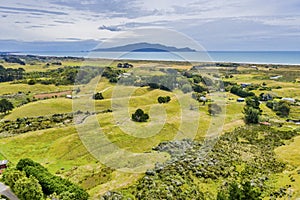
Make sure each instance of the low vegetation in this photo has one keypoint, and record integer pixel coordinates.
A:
(246, 154)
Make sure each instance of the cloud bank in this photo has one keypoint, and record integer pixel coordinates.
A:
(215, 24)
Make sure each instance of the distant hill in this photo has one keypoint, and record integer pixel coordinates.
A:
(145, 47)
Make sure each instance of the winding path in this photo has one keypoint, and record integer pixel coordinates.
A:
(5, 190)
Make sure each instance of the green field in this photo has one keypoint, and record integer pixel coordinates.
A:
(10, 88)
(42, 108)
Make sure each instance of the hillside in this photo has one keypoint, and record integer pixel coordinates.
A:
(102, 149)
(144, 47)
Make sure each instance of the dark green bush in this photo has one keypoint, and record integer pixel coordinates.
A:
(140, 116)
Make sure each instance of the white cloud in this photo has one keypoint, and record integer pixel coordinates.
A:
(208, 21)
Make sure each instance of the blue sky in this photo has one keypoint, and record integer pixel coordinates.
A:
(214, 24)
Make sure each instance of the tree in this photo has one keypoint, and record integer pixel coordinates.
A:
(249, 192)
(251, 115)
(50, 183)
(214, 109)
(98, 96)
(28, 188)
(253, 101)
(11, 176)
(283, 108)
(140, 116)
(186, 88)
(5, 106)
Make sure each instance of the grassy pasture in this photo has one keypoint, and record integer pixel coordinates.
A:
(9, 88)
(62, 152)
(42, 108)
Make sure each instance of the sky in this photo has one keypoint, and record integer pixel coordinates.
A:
(233, 25)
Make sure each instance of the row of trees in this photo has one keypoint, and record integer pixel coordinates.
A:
(282, 108)
(12, 59)
(239, 91)
(9, 74)
(30, 180)
(64, 75)
(24, 187)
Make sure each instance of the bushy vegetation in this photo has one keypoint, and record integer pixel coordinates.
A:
(98, 96)
(124, 65)
(5, 106)
(140, 116)
(64, 75)
(165, 99)
(50, 183)
(30, 180)
(26, 124)
(214, 109)
(14, 59)
(251, 110)
(9, 74)
(24, 187)
(112, 74)
(246, 154)
(236, 191)
(282, 108)
(238, 90)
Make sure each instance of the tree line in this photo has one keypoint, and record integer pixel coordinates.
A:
(30, 180)
(10, 74)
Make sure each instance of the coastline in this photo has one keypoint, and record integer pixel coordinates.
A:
(206, 57)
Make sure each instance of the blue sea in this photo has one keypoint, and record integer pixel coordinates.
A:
(255, 57)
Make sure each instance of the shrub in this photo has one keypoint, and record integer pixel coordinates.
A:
(238, 90)
(283, 109)
(98, 96)
(5, 106)
(162, 99)
(253, 101)
(270, 104)
(31, 82)
(251, 115)
(186, 88)
(28, 188)
(214, 109)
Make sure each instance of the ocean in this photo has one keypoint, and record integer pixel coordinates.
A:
(255, 57)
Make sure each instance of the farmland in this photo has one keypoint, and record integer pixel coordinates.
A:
(68, 148)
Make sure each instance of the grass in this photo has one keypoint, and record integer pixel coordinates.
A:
(41, 108)
(62, 152)
(41, 146)
(290, 154)
(10, 88)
